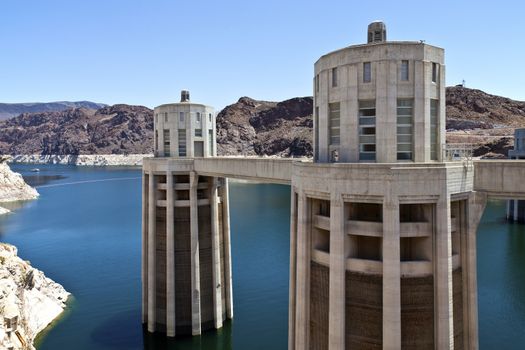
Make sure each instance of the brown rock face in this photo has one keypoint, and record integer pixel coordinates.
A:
(252, 127)
(470, 108)
(484, 120)
(117, 129)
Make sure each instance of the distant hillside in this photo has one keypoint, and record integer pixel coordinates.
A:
(248, 127)
(252, 127)
(8, 110)
(485, 120)
(118, 129)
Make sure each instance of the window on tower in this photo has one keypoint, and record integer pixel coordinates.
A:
(367, 72)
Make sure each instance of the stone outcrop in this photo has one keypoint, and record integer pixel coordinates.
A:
(251, 127)
(28, 298)
(82, 160)
(13, 187)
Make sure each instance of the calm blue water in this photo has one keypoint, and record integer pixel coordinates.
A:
(84, 232)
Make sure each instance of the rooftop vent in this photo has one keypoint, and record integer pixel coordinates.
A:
(184, 96)
(376, 32)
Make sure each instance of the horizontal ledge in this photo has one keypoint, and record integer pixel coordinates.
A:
(182, 203)
(181, 186)
(321, 257)
(415, 229)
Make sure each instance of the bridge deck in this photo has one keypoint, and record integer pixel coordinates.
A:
(504, 179)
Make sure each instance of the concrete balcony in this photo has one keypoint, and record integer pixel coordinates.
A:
(321, 257)
(416, 268)
(322, 222)
(183, 203)
(365, 266)
(364, 228)
(415, 229)
(182, 186)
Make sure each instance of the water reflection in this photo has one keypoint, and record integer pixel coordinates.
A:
(220, 339)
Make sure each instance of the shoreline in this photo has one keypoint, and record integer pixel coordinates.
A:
(80, 160)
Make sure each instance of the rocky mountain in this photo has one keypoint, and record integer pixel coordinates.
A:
(118, 129)
(247, 127)
(252, 127)
(8, 110)
(486, 121)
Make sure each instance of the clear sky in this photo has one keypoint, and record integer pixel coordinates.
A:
(145, 52)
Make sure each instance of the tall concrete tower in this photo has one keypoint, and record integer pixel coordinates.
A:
(382, 232)
(186, 260)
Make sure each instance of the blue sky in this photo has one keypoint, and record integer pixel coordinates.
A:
(145, 52)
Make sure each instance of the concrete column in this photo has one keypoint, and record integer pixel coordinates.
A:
(195, 265)
(227, 248)
(293, 269)
(152, 293)
(302, 312)
(145, 210)
(170, 256)
(418, 134)
(515, 218)
(337, 297)
(444, 321)
(160, 139)
(216, 254)
(391, 275)
(476, 206)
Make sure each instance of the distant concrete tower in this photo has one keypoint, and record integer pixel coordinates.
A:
(516, 208)
(186, 257)
(184, 129)
(381, 102)
(376, 32)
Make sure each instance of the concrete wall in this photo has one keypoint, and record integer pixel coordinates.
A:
(396, 236)
(500, 179)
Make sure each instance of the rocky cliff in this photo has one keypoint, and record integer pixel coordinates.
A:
(13, 187)
(252, 127)
(118, 129)
(29, 299)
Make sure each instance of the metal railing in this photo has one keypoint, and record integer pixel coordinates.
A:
(457, 152)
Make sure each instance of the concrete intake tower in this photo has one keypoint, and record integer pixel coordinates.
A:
(382, 228)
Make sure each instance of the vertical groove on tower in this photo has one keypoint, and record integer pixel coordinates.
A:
(337, 295)
(145, 212)
(151, 253)
(170, 257)
(293, 270)
(215, 253)
(195, 261)
(227, 248)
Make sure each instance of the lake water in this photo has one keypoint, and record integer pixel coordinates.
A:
(84, 232)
